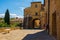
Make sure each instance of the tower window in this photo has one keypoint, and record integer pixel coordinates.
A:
(36, 6)
(36, 13)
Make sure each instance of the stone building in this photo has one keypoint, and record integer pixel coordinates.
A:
(49, 13)
(53, 8)
(34, 16)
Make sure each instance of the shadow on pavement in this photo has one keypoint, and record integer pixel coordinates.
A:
(38, 36)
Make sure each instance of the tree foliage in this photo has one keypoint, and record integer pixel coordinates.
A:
(7, 17)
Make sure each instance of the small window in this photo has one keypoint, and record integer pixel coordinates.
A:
(36, 6)
(36, 13)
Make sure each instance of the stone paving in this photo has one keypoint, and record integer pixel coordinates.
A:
(39, 36)
(18, 34)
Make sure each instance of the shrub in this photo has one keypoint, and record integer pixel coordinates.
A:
(4, 25)
(0, 24)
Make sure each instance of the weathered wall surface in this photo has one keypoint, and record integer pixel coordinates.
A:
(54, 17)
(35, 12)
(58, 18)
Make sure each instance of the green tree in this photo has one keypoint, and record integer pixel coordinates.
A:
(7, 17)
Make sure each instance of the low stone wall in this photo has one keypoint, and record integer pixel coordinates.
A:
(9, 29)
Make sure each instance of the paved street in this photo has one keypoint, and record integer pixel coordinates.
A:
(17, 34)
(39, 36)
(26, 35)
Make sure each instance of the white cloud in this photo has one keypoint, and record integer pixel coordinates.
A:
(42, 1)
(11, 15)
(22, 8)
(2, 15)
(20, 16)
(37, 0)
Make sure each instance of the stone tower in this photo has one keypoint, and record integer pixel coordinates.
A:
(34, 16)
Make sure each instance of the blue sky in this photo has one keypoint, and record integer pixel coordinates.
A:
(16, 7)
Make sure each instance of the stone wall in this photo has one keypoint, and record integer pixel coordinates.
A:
(54, 17)
(58, 18)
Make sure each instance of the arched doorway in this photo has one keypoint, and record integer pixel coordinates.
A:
(36, 23)
(54, 28)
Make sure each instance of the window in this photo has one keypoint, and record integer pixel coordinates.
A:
(36, 6)
(36, 13)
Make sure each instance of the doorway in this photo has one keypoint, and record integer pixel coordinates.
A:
(36, 23)
(54, 28)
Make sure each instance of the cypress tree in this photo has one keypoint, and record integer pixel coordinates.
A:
(7, 17)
